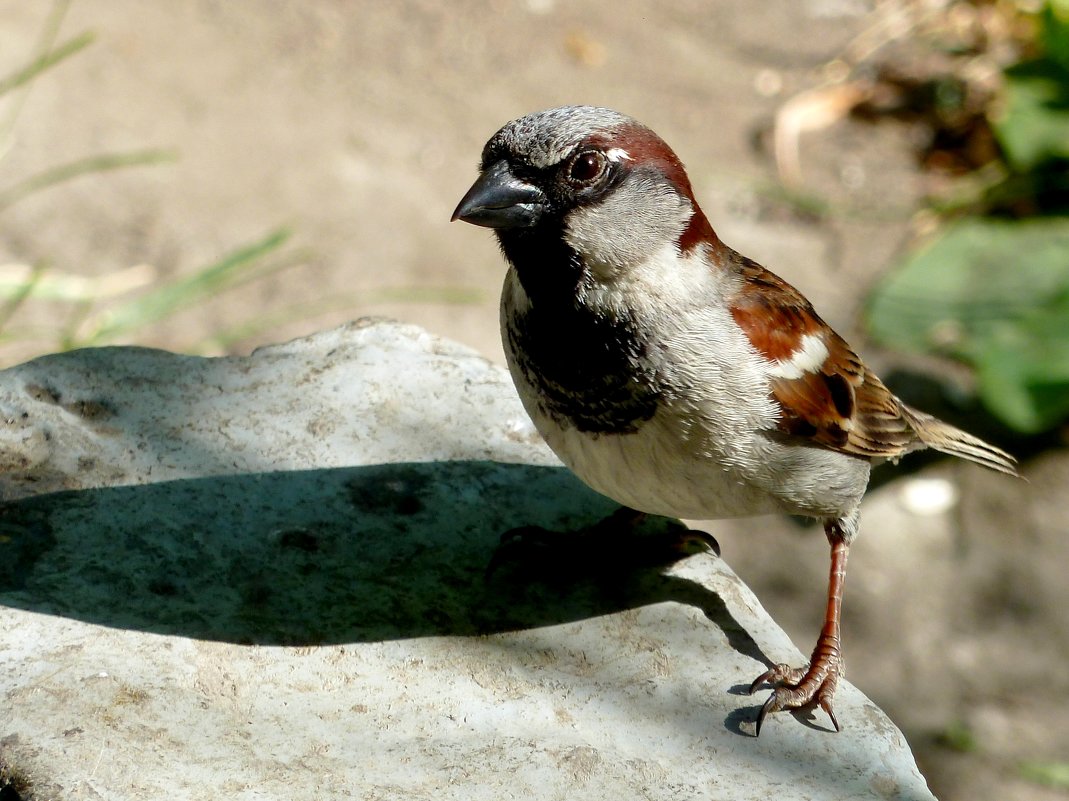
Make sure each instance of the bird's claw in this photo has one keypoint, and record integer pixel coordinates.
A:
(796, 688)
(777, 675)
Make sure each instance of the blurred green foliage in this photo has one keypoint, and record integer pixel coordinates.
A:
(995, 294)
(1031, 123)
(993, 288)
(1049, 774)
(958, 736)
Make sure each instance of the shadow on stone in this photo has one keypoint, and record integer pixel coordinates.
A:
(324, 556)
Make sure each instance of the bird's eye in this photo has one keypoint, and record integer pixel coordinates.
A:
(586, 167)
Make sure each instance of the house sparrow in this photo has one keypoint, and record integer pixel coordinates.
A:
(668, 371)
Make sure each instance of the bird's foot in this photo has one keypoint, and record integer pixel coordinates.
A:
(795, 688)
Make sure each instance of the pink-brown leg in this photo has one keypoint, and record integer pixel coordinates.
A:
(816, 682)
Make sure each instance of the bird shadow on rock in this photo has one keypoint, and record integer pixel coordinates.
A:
(337, 555)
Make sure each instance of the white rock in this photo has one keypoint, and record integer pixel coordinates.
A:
(269, 583)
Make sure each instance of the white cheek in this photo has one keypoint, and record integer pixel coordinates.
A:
(628, 227)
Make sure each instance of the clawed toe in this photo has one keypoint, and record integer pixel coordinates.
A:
(777, 675)
(779, 700)
(797, 688)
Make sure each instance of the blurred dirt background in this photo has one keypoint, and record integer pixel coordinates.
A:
(358, 126)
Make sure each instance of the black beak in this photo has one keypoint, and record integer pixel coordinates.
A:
(498, 199)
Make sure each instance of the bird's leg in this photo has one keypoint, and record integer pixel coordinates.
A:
(815, 683)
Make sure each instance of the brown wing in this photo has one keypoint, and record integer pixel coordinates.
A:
(840, 404)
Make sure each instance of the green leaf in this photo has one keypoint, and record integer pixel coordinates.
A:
(1033, 126)
(1023, 369)
(995, 294)
(1051, 774)
(1054, 31)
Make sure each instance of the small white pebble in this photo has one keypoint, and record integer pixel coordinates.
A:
(928, 496)
(768, 83)
(520, 426)
(852, 175)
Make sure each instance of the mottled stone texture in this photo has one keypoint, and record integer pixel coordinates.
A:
(265, 577)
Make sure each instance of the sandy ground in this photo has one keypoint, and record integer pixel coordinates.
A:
(358, 126)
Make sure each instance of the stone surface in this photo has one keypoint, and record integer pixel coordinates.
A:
(265, 577)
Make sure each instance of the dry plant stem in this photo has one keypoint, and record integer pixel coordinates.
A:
(821, 106)
(816, 683)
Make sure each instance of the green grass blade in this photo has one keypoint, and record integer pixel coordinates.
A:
(20, 295)
(86, 166)
(57, 285)
(45, 61)
(176, 295)
(45, 41)
(247, 329)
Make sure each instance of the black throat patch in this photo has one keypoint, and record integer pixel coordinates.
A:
(591, 371)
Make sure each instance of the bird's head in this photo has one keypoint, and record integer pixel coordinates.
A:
(589, 181)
